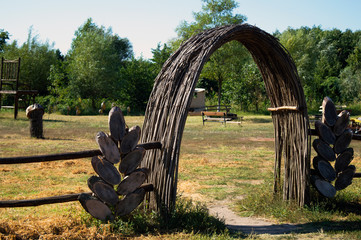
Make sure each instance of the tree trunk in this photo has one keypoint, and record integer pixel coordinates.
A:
(220, 80)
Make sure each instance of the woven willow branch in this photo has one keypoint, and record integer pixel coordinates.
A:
(172, 93)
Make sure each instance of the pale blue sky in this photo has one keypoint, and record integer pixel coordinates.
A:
(147, 22)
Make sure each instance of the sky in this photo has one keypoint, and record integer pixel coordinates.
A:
(149, 22)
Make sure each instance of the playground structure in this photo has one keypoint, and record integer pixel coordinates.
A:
(170, 101)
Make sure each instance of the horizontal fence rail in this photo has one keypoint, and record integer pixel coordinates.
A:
(68, 156)
(40, 201)
(313, 132)
(56, 157)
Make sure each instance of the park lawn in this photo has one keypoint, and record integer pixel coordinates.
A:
(232, 164)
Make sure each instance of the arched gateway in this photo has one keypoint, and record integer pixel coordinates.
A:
(172, 94)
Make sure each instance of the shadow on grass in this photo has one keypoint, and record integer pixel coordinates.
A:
(54, 120)
(260, 120)
(59, 139)
(312, 227)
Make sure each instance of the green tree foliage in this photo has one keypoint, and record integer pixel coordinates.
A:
(327, 63)
(246, 88)
(4, 36)
(160, 55)
(214, 13)
(36, 60)
(94, 61)
(221, 64)
(137, 78)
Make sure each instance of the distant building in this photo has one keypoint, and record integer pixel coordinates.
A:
(199, 100)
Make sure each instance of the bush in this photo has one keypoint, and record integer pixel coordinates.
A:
(186, 217)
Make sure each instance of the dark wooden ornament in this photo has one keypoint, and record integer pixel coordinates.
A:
(106, 171)
(108, 148)
(315, 162)
(91, 181)
(323, 187)
(325, 133)
(344, 179)
(95, 207)
(94, 162)
(130, 202)
(133, 181)
(343, 141)
(131, 161)
(130, 140)
(329, 114)
(343, 160)
(103, 190)
(326, 170)
(324, 150)
(116, 124)
(341, 123)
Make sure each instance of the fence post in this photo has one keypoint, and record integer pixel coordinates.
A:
(35, 113)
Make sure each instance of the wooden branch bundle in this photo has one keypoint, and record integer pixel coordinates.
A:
(332, 131)
(172, 93)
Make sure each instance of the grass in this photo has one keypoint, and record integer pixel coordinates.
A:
(232, 164)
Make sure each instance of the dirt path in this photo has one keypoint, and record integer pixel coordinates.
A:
(248, 225)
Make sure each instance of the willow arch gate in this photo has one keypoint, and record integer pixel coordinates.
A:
(172, 93)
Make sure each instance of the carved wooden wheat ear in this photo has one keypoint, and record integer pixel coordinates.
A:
(130, 192)
(332, 144)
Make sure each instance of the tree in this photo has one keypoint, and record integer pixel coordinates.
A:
(351, 75)
(215, 13)
(3, 37)
(36, 59)
(94, 61)
(160, 55)
(137, 78)
(322, 58)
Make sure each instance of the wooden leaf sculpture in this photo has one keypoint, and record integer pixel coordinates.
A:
(105, 192)
(131, 161)
(329, 115)
(106, 171)
(341, 123)
(108, 148)
(343, 141)
(332, 131)
(130, 202)
(103, 186)
(133, 181)
(324, 187)
(91, 181)
(343, 160)
(324, 150)
(102, 190)
(130, 140)
(116, 124)
(325, 132)
(326, 170)
(95, 207)
(345, 178)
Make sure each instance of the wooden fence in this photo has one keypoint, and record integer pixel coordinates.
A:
(56, 157)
